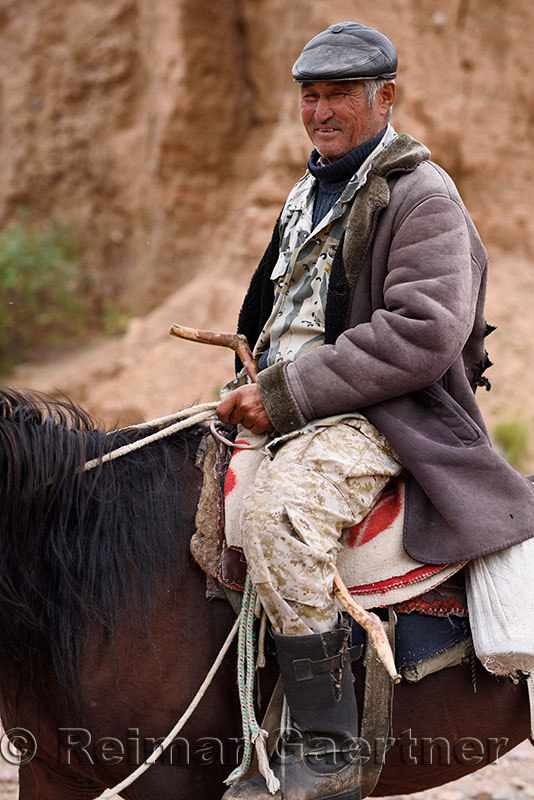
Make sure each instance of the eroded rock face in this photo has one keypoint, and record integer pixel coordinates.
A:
(132, 118)
(123, 116)
(168, 131)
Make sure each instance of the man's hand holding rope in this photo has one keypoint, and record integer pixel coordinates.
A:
(244, 405)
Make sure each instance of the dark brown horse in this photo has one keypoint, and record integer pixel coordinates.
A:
(105, 632)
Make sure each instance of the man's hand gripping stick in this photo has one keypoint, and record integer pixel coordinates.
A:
(369, 621)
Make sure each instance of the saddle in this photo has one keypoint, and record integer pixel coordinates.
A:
(372, 562)
(225, 566)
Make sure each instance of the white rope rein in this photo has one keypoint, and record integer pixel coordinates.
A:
(184, 419)
(156, 753)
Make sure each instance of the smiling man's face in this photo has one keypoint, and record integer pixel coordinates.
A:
(337, 116)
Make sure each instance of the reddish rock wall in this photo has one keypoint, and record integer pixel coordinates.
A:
(168, 132)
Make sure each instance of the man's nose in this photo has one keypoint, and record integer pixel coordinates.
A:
(323, 110)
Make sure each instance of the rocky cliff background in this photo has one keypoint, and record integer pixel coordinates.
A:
(166, 133)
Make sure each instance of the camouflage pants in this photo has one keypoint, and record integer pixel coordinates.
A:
(316, 485)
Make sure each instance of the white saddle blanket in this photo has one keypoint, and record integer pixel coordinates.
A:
(372, 562)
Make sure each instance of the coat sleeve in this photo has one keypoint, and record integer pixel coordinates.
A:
(429, 305)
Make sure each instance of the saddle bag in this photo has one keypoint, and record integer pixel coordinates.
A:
(500, 600)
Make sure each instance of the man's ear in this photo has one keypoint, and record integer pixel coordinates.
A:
(386, 96)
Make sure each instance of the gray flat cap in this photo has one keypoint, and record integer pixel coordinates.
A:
(346, 51)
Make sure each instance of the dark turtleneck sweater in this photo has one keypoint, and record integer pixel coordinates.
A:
(332, 178)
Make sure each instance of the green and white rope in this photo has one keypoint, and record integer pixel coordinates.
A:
(254, 736)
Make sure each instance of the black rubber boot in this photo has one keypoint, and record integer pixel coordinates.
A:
(322, 755)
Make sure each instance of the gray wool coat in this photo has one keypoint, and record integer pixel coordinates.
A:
(404, 345)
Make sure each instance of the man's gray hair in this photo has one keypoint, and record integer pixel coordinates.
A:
(372, 86)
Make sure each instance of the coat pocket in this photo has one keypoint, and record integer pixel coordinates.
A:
(452, 413)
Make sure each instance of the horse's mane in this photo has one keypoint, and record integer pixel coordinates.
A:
(78, 548)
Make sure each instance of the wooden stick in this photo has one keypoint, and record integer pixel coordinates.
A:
(369, 622)
(236, 341)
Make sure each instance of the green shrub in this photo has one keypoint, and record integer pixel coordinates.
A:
(45, 298)
(511, 438)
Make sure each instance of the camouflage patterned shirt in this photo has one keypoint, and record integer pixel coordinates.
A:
(302, 271)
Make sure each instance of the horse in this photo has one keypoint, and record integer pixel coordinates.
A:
(106, 632)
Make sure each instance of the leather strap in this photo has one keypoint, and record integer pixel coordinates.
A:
(305, 669)
(377, 709)
(530, 687)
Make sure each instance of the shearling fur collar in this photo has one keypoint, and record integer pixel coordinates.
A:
(402, 155)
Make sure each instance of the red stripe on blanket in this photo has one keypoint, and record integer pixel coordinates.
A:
(413, 576)
(381, 516)
(230, 479)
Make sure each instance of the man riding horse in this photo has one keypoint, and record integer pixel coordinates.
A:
(366, 317)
